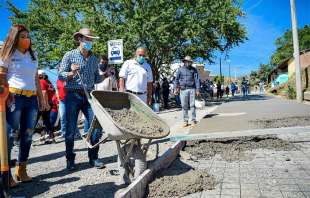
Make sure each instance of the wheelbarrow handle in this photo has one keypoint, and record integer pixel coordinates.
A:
(4, 161)
(84, 87)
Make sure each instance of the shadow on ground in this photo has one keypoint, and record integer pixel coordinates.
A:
(39, 186)
(248, 98)
(94, 191)
(52, 156)
(210, 115)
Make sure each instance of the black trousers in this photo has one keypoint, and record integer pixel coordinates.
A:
(46, 121)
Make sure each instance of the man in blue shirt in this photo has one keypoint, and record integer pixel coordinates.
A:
(80, 60)
(187, 83)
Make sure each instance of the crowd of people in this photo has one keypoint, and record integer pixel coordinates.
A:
(32, 96)
(210, 89)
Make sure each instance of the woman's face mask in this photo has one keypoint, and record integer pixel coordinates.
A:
(24, 40)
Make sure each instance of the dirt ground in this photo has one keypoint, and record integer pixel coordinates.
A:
(180, 180)
(282, 122)
(134, 122)
(235, 149)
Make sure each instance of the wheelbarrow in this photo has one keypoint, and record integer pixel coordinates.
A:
(131, 150)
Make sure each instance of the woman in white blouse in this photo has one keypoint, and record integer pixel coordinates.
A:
(18, 70)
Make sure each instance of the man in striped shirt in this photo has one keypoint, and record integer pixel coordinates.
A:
(80, 60)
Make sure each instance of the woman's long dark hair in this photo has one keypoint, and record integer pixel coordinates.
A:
(10, 44)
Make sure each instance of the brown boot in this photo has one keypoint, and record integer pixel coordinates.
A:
(12, 183)
(21, 172)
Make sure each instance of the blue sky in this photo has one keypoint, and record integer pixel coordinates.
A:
(265, 21)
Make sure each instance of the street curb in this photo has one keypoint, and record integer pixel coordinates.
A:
(137, 188)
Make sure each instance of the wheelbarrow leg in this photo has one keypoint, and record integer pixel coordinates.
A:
(131, 160)
(123, 171)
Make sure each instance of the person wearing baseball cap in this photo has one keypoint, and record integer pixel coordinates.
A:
(80, 60)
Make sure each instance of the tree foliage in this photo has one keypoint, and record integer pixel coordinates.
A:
(261, 74)
(169, 29)
(284, 45)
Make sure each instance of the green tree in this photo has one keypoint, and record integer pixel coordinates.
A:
(264, 71)
(169, 29)
(284, 45)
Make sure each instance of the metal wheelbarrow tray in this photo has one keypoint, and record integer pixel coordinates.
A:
(101, 100)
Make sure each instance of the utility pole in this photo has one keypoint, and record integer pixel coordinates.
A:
(296, 53)
(228, 61)
(221, 80)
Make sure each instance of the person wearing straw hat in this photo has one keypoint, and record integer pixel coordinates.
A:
(187, 84)
(80, 60)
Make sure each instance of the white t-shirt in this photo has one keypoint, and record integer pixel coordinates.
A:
(137, 76)
(21, 70)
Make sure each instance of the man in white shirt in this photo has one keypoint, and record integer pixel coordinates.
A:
(136, 77)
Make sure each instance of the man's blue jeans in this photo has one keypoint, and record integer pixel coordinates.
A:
(188, 100)
(22, 117)
(74, 103)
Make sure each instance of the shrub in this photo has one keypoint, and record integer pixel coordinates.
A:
(291, 92)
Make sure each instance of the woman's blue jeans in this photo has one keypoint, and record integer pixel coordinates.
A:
(21, 117)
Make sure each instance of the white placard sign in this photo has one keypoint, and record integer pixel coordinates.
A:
(115, 51)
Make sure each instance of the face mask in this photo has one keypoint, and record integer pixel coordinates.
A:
(87, 45)
(140, 60)
(103, 67)
(187, 64)
(24, 43)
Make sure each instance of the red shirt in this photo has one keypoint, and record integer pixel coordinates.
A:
(55, 102)
(47, 86)
(61, 89)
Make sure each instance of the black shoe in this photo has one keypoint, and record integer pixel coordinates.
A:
(96, 163)
(70, 165)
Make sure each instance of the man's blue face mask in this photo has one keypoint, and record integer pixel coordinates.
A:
(140, 59)
(87, 45)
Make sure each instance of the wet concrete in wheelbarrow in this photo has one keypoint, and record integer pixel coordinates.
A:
(181, 179)
(135, 123)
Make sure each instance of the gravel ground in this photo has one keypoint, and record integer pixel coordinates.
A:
(47, 165)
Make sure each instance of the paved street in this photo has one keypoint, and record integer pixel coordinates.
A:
(238, 114)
